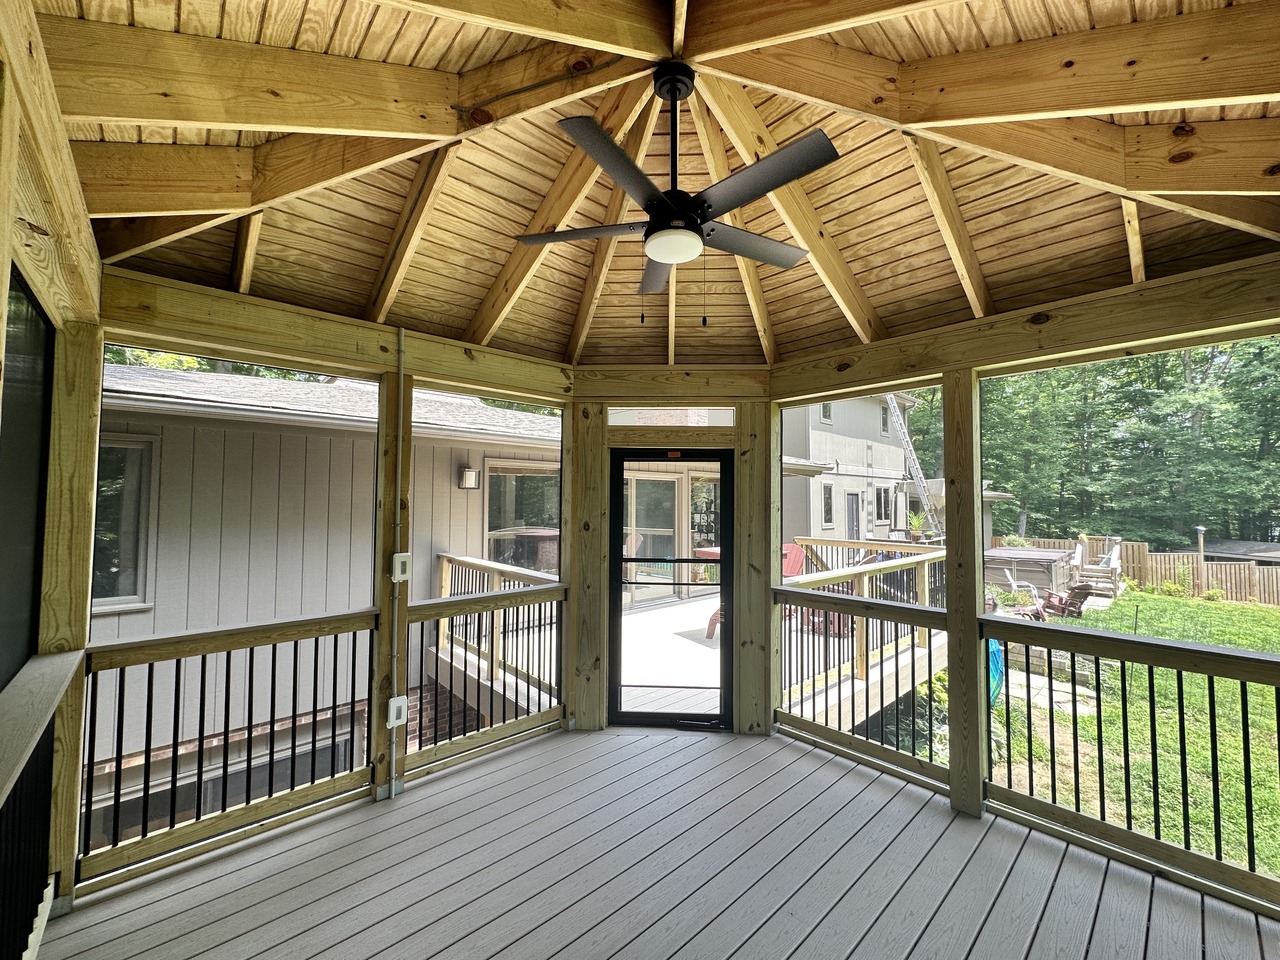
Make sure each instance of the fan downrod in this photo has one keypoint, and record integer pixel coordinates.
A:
(673, 81)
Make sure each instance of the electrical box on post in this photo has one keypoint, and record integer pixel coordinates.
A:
(401, 567)
(397, 712)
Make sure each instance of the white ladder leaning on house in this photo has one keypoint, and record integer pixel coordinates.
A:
(913, 462)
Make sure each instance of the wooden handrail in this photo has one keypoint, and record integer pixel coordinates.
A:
(899, 546)
(128, 653)
(829, 577)
(27, 704)
(445, 607)
(519, 574)
(1228, 663)
(932, 618)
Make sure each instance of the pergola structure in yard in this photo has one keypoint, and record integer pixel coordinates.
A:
(339, 187)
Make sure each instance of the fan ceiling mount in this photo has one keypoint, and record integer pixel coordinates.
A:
(680, 226)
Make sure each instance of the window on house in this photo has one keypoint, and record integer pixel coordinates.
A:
(824, 412)
(884, 419)
(828, 505)
(884, 505)
(523, 515)
(123, 521)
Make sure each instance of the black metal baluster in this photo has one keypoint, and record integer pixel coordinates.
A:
(91, 745)
(200, 731)
(1124, 725)
(1053, 729)
(333, 710)
(271, 732)
(1031, 766)
(1248, 776)
(1155, 752)
(1213, 760)
(929, 658)
(1097, 713)
(1075, 730)
(315, 699)
(449, 702)
(293, 720)
(435, 692)
(368, 727)
(422, 679)
(1008, 716)
(177, 734)
(351, 689)
(226, 728)
(115, 808)
(147, 749)
(1182, 763)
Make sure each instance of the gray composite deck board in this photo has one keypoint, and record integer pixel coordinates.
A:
(657, 845)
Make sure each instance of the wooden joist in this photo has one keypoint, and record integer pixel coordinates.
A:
(752, 139)
(1225, 156)
(248, 231)
(142, 179)
(1133, 236)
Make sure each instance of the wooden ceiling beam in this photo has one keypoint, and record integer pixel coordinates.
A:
(718, 165)
(946, 211)
(248, 231)
(1223, 156)
(752, 139)
(1133, 236)
(543, 78)
(146, 179)
(720, 27)
(636, 145)
(283, 169)
(428, 183)
(1219, 57)
(618, 111)
(633, 28)
(109, 73)
(51, 238)
(1222, 303)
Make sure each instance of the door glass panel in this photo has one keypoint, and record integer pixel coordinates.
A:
(671, 629)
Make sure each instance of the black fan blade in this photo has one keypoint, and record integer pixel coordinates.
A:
(752, 245)
(613, 160)
(803, 156)
(655, 277)
(585, 233)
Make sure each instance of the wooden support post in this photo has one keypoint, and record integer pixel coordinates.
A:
(757, 624)
(861, 635)
(8, 176)
(966, 656)
(495, 639)
(394, 424)
(445, 589)
(584, 563)
(922, 600)
(65, 593)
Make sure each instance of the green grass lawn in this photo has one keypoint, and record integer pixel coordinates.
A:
(1156, 780)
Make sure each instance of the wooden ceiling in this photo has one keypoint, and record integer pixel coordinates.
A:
(379, 160)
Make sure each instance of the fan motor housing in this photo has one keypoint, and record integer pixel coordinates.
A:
(673, 81)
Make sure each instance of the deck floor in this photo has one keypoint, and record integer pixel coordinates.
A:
(650, 844)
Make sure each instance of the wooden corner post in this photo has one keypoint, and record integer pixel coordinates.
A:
(584, 564)
(966, 656)
(391, 651)
(66, 582)
(757, 567)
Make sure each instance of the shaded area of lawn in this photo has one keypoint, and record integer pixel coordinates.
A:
(1148, 716)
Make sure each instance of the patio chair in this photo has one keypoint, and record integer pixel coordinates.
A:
(792, 566)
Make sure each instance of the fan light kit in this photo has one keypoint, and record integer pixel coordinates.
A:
(680, 226)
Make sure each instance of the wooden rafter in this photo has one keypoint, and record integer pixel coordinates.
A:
(146, 179)
(428, 183)
(718, 164)
(248, 230)
(108, 73)
(618, 111)
(283, 169)
(635, 28)
(1225, 156)
(1133, 235)
(946, 211)
(635, 146)
(719, 27)
(1218, 57)
(752, 139)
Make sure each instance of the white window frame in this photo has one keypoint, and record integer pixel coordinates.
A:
(827, 498)
(148, 535)
(885, 491)
(884, 419)
(826, 411)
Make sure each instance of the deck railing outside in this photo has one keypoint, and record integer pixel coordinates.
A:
(483, 655)
(1164, 747)
(190, 736)
(864, 657)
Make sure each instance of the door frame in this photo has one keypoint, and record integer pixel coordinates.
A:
(619, 457)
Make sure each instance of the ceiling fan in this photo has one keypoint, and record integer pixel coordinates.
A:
(680, 225)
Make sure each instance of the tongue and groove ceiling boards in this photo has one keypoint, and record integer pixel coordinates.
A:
(380, 160)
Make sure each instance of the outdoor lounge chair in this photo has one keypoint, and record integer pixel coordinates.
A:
(1069, 604)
